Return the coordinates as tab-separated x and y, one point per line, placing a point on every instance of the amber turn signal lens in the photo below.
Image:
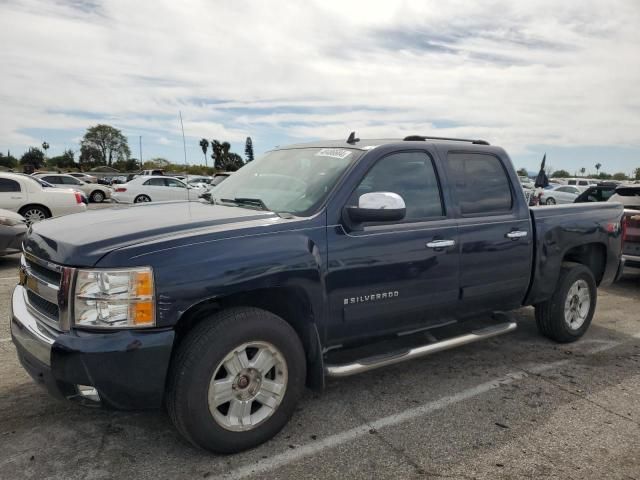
142	313
144	284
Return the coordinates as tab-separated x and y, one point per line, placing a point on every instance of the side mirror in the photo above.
378	207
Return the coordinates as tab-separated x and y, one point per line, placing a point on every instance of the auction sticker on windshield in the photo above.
340	153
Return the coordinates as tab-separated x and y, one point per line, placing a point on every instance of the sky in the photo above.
533	77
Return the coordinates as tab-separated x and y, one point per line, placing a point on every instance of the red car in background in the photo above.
631	238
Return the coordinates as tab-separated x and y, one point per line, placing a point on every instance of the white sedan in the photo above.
96	193
34	201
156	188
561	194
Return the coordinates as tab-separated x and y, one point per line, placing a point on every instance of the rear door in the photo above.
494	229
176	189
394	276
11	195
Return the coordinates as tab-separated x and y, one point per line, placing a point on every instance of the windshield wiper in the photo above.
246	202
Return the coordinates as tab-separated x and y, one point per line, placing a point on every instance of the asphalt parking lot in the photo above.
516	406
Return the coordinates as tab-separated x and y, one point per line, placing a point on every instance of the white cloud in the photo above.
518	73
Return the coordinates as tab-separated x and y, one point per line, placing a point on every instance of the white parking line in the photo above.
9	278
4	340
290	456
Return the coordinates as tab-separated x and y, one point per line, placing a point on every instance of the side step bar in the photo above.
378	361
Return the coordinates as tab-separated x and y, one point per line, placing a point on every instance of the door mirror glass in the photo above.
378	207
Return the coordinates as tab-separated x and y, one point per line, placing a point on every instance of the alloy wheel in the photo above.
247	386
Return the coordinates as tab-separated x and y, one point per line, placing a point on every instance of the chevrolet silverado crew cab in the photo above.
314	261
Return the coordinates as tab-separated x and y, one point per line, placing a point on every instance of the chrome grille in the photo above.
47	288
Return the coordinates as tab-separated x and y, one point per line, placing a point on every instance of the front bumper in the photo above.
128	368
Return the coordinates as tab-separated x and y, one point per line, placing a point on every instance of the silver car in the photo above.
561	194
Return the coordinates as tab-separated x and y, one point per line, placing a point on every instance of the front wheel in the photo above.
550	201
566	316
235	380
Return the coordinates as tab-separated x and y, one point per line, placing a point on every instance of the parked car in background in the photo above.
34	200
13	226
85	177
95	192
155	171
526	182
46	185
154	189
627	195
199	181
631	237
220	177
581	183
598	193
559	195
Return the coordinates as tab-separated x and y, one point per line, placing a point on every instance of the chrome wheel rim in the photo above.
142	199
577	305
551	201
98	197
247	386
34	215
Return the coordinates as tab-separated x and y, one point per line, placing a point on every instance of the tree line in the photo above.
104	145
620	176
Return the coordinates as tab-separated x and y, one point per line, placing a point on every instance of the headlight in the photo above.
10	222
114	298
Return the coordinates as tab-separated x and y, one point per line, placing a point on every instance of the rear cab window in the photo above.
481	183
8	185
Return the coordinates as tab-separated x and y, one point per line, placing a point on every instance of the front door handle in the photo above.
441	243
515	234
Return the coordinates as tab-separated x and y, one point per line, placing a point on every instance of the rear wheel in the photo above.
33	214
235	380
97	196
567	315
551	201
142	199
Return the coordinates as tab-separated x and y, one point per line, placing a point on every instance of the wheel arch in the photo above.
591	255
292	304
39	205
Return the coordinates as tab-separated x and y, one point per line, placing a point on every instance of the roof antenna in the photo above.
352	139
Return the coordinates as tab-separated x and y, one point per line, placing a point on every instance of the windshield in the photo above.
295	181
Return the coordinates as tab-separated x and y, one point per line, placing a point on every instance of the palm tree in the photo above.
582	170
45	147
598	165
204	144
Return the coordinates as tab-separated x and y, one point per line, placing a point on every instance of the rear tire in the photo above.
142	199
566	316
216	403
34	213
550	201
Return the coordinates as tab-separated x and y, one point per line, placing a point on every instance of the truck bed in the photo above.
561	230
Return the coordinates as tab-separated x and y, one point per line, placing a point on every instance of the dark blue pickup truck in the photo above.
314	261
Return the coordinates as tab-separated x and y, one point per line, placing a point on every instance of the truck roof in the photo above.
370	143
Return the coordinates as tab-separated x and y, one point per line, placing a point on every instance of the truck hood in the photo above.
82	239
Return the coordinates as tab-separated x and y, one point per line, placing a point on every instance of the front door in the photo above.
394	276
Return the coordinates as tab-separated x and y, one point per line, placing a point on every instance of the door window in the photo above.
155	182
69	181
8	185
481	183
412	176
172	182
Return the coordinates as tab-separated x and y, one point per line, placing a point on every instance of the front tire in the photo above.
566	316
550	201
235	380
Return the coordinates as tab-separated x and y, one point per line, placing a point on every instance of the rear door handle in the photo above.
441	243
514	235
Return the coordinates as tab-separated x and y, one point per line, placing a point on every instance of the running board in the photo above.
371	363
